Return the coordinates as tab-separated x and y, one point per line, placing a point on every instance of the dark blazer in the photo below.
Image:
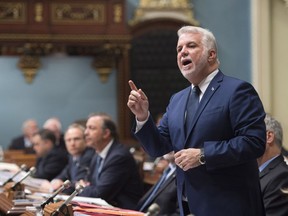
119	181
229	125
165	197
272	179
81	166
18	143
49	166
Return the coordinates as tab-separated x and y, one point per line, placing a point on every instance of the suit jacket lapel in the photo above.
211	89
279	159
166	183
108	156
163	187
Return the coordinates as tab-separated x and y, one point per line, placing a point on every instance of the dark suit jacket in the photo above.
49	166
272	179
119	181
165	197
82	169
229	125
18	143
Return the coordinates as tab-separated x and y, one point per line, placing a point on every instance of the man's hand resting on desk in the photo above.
83	183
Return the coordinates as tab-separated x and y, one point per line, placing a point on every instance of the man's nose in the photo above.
184	52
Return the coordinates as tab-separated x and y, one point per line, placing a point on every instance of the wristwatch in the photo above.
202	157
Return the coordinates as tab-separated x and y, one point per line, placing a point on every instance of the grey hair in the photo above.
77	126
274	126
55	121
208	39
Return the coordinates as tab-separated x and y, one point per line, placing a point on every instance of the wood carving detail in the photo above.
12	12
78	13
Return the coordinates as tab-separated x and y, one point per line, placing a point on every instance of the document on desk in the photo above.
80	199
9	167
90	209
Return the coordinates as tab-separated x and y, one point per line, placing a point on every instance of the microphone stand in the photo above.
64	208
30	172
22	168
65	185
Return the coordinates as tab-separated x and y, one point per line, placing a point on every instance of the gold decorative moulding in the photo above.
103	66
29	66
148	10
13	12
76	13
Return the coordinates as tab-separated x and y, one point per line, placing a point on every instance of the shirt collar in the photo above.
104	152
264	165
203	85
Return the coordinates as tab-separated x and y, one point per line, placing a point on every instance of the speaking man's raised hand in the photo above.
138	102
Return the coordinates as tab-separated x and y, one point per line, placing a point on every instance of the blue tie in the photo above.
97	167
156	188
73	170
191	107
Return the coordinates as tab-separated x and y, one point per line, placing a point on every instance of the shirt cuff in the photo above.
139	124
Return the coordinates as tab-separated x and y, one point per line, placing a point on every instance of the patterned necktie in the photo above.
191	107
155	188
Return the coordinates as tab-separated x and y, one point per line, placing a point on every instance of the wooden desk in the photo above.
19	157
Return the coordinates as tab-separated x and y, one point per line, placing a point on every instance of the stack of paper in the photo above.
92	209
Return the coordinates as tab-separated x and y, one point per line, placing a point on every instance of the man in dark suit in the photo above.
164	192
50	160
24	142
80	157
216	145
114	173
273	170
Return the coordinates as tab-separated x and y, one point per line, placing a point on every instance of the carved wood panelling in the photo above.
13	12
77	13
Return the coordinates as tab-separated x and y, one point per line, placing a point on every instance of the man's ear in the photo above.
107	133
270	136
211	55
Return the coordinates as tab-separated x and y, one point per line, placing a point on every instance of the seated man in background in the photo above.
164	192
24	142
53	124
273	170
50	160
79	159
114	173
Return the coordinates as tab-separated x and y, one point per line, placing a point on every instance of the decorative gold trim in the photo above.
118	13
39	12
75	13
103	65
13	12
29	66
164	9
104	73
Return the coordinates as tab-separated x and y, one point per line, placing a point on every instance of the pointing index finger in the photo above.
132	85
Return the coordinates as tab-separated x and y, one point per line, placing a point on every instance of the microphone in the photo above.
65	185
23	167
78	189
153	210
30	172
